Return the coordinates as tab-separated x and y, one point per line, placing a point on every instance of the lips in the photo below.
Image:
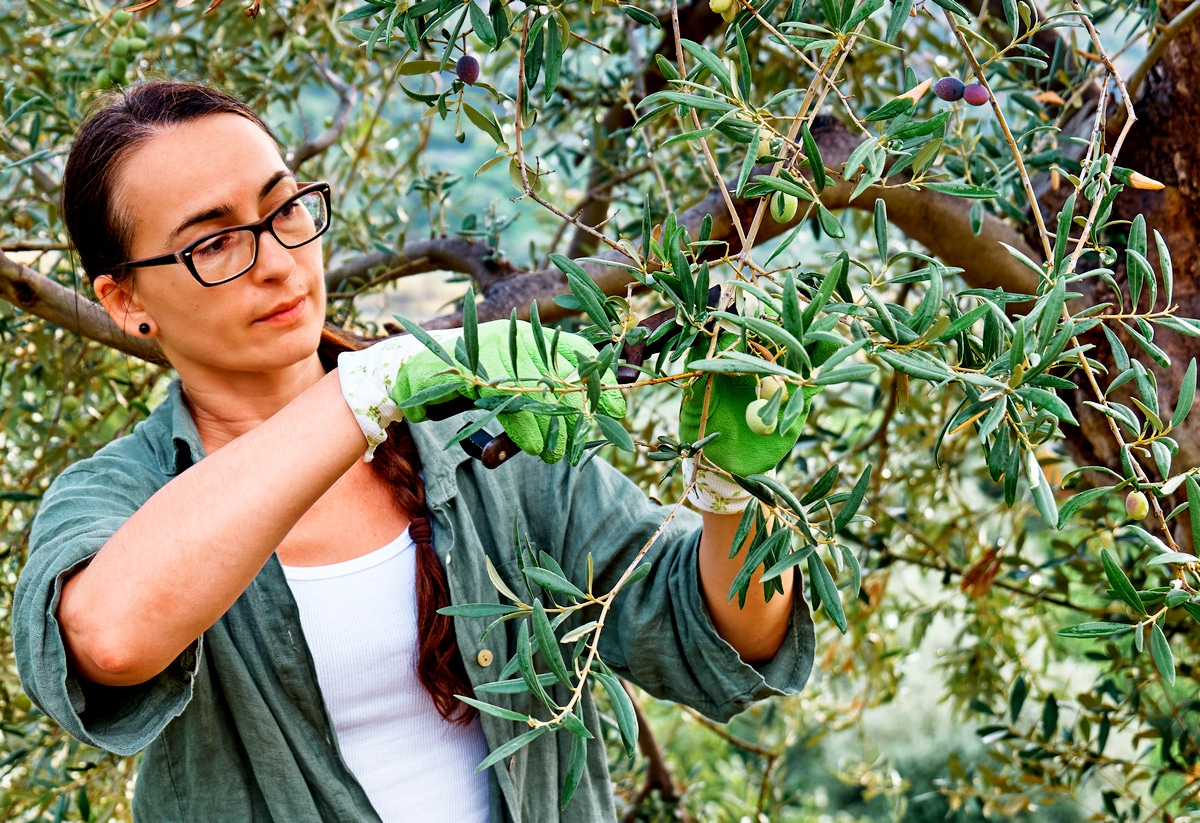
283	312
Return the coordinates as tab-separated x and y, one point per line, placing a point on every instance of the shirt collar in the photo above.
174	437
440	464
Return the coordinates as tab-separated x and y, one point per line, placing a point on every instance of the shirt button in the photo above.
484	658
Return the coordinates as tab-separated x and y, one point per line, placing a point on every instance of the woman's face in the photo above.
185	183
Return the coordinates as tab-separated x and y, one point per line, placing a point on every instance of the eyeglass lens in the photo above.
231	253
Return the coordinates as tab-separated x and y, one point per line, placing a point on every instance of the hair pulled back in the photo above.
102	236
101	150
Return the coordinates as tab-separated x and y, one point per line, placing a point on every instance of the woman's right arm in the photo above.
182	559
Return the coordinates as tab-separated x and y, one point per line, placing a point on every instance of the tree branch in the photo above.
456	254
40	296
46	184
937	221
658	773
348	97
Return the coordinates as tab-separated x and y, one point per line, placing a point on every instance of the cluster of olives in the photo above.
728	9
122	50
766	389
951	89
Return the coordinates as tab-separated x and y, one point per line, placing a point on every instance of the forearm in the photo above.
186	555
756	631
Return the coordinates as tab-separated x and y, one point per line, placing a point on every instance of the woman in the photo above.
212	588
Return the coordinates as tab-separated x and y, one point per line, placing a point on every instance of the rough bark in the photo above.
1162	145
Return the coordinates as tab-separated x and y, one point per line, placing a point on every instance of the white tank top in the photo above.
360	622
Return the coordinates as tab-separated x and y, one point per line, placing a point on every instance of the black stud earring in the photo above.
144	328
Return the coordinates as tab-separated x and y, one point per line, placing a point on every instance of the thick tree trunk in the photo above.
1162	145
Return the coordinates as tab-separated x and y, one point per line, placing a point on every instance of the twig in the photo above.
34	244
658	771
1100	395
348	97
369	132
1008	136
46	184
712	164
945	566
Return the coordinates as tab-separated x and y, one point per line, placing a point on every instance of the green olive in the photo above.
754	421
784	206
769	386
104	79
1137	505
764	142
720	6
141	29
121	17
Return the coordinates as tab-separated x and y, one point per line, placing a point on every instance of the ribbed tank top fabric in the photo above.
359	619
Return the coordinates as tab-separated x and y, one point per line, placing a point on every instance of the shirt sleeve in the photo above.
82	509
659	634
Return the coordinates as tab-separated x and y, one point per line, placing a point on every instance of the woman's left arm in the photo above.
758	630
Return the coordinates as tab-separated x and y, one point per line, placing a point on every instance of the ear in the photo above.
122	305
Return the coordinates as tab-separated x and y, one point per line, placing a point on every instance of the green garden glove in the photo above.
737	450
425	370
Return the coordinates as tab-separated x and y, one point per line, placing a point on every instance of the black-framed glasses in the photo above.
228	254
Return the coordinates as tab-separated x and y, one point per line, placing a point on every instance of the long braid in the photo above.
440	668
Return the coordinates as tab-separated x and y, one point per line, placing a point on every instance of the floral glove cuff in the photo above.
367	377
712	491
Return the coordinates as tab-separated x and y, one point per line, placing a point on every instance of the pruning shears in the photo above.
493	450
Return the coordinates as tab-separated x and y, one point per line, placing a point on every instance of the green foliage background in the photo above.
952	638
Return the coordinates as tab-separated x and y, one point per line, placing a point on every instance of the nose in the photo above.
274	261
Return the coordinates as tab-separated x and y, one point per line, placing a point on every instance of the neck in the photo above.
232	405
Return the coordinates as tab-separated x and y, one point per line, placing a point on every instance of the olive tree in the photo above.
970	224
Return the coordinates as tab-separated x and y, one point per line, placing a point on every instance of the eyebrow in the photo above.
217	212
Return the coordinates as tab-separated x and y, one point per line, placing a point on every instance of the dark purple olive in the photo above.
467	69
949	88
976	94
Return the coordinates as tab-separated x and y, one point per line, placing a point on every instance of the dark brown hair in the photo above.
101	237
103	145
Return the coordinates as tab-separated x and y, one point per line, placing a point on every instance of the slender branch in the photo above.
42	179
703	142
456	254
697	24
1089	374
724	734
34	244
942	564
369	131
981	77
348	97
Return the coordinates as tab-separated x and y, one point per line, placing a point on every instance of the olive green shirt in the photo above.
235	729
